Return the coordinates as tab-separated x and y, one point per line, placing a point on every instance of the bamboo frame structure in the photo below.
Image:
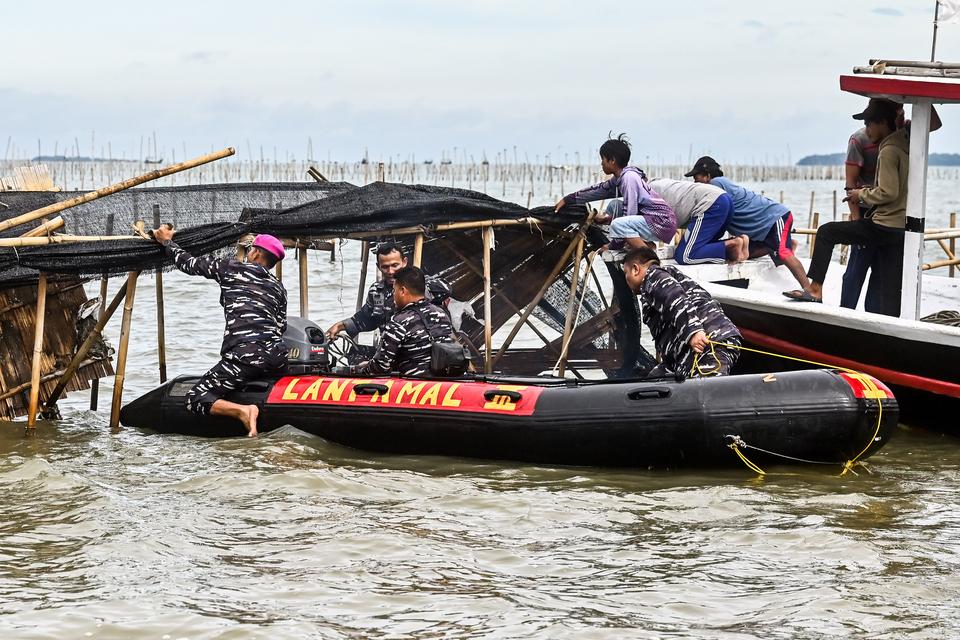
124	346
43	229
561	263
114	188
84	348
37	351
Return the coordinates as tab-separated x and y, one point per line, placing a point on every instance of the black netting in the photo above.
334	210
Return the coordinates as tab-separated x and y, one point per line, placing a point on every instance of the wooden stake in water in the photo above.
161	330
123	349
95	385
364	263
37	351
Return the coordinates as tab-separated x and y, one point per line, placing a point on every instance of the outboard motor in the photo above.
308	347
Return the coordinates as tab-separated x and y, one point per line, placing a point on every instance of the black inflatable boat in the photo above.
821	415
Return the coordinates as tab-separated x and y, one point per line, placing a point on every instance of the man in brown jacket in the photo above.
882	226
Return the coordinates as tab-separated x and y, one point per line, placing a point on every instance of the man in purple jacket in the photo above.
646	217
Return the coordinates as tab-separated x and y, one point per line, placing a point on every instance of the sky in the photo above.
742	80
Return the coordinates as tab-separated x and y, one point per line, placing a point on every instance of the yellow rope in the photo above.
866	380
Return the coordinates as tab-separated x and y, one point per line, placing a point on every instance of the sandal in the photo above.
802	295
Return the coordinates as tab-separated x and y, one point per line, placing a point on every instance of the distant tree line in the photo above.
833	159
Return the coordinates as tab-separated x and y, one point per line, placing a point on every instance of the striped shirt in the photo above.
675	307
254	304
406	341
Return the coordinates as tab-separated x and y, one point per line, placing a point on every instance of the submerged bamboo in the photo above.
37	351
85	348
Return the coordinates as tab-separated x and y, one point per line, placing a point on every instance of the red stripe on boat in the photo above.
890	377
399	393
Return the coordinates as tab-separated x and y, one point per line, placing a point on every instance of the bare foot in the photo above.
744	247
249	420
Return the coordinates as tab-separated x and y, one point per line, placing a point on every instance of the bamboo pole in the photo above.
114	188
571	303
85	348
37	351
161	326
9	393
364	262
304	292
47	227
953	245
936	264
59	239
418	250
95	385
816	225
497	290
122	350
561	263
487	312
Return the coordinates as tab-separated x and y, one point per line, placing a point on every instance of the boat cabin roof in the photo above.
905	82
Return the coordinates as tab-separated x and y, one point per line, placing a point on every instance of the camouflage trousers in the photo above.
229	375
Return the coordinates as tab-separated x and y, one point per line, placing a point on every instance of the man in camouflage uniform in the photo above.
407	340
255	308
683	318
379	306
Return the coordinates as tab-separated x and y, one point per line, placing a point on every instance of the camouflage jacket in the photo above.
254	305
380	307
406	341
675	307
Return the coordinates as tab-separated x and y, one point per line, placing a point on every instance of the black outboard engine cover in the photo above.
308	347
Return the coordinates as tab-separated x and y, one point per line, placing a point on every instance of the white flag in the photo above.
949	12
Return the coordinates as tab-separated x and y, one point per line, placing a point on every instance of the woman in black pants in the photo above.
883	225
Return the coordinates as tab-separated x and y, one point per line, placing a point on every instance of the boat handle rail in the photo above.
490	394
649	392
370	389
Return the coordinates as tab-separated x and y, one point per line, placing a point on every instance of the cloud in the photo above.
201	56
887	11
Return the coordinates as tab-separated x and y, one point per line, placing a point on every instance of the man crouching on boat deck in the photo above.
685	321
255	308
379	306
407	340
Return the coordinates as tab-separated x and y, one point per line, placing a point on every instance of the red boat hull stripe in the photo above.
890	377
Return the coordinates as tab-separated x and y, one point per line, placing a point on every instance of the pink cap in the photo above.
269	243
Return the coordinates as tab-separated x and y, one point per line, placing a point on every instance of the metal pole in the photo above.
123	349
84	349
487	312
95	385
37	351
304	293
913	240
936	17
161	330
